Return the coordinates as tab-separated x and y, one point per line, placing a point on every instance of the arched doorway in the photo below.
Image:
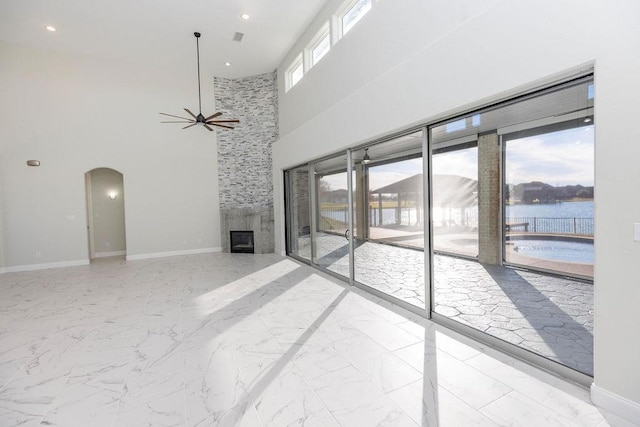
105	213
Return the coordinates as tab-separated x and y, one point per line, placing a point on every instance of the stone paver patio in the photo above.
547	315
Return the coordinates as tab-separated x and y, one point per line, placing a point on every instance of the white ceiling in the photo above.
160	32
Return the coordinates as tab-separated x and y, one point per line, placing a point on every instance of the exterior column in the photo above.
489	199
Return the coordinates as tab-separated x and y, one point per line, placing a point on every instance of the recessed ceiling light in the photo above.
228	64
245	16
51	28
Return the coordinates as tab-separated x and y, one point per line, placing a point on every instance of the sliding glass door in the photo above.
483	221
368	227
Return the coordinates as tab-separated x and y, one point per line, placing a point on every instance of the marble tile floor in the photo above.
547	315
249	340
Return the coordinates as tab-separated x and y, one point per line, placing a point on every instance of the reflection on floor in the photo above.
249	340
547	315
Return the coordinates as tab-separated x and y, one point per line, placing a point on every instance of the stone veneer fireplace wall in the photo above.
244	157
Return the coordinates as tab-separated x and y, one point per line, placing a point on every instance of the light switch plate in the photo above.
636	231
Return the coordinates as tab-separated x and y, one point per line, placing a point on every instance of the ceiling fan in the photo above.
207	122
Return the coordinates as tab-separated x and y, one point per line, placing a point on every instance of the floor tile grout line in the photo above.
421	381
244	380
131	359
185	282
331	307
545	382
315	393
483	411
364	376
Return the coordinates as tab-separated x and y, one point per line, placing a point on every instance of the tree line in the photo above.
540	192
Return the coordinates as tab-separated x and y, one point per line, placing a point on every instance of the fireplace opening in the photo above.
241	242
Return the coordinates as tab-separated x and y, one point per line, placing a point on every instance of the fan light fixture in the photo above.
207	122
366	159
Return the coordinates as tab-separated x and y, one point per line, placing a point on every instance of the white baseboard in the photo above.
32	267
172	253
616	404
108	254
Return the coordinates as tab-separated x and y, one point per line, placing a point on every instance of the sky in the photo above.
559	158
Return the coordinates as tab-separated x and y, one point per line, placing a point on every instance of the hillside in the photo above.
540	192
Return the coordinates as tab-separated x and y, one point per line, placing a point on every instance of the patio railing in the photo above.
410	217
582	226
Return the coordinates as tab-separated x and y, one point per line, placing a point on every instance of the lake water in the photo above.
514	213
555	210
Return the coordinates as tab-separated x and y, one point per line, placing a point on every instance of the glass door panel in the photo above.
388	210
548	219
331	244
298	212
533	185
455	199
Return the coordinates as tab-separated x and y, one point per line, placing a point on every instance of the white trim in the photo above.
342	12
32	267
172	253
298	62
616	404
546	121
108	254
89	201
427	229
324	32
455	141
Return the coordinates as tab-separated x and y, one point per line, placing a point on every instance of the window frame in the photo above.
318	39
344	11
297	63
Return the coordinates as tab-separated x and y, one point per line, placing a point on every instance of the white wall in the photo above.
2	226
76	113
415	61
108	214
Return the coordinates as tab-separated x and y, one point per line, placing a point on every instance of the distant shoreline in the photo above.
572	200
